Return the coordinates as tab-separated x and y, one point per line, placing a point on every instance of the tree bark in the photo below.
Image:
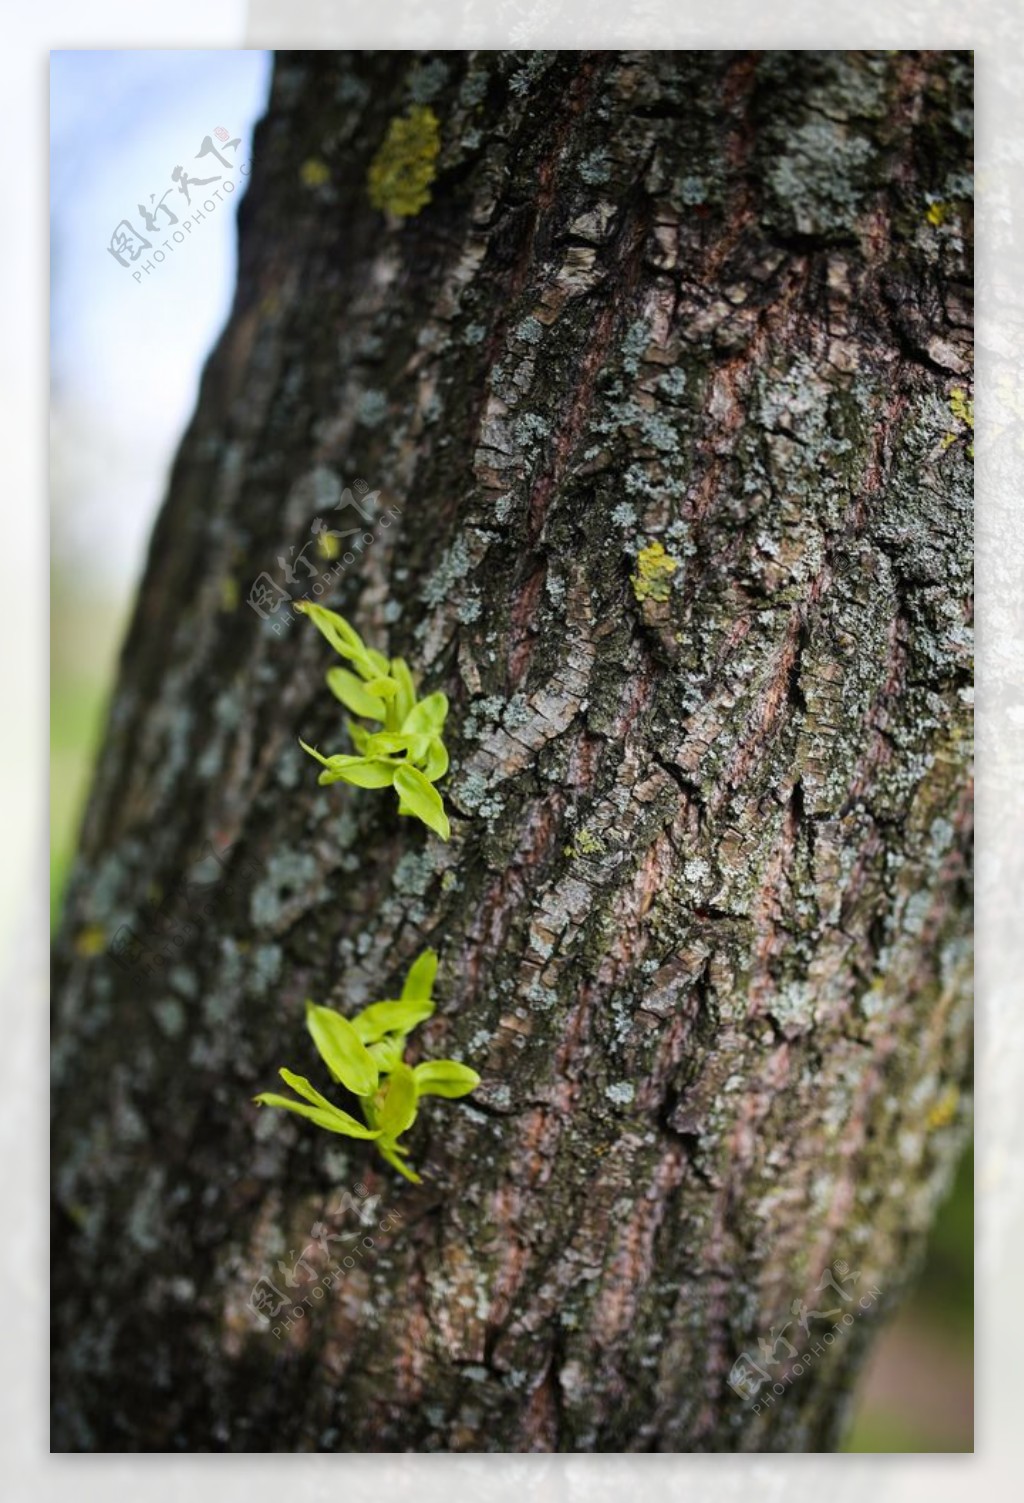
666	387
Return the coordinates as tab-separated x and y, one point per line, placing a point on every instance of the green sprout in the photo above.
364	1054
407	753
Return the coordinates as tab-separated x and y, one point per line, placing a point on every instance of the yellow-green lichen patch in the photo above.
327	545
401	173
585	843
90	941
654	571
314	173
962	408
944	1110
230	594
938	213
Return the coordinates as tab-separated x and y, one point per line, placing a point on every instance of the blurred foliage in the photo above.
916	1391
946	1291
84	636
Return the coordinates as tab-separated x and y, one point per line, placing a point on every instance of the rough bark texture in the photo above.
703	921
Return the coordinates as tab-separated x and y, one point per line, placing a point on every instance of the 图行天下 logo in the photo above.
326	1260
311	569
776	1350
128	244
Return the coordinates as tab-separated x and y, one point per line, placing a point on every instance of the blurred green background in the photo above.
917	1391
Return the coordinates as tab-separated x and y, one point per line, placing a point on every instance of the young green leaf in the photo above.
390	1151
384	688
420	797
444	1077
345	640
435	764
386	1052
437	709
406	696
418	746
397	1110
364	772
354	694
361	738
386	743
390	1017
325	761
427	715
331	1117
378	662
342	637
419	983
301	1086
341	1049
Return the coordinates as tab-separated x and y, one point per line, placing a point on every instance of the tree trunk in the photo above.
664	393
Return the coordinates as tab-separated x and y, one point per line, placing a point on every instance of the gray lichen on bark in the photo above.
661	381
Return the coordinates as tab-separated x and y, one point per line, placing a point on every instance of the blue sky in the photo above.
126	355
